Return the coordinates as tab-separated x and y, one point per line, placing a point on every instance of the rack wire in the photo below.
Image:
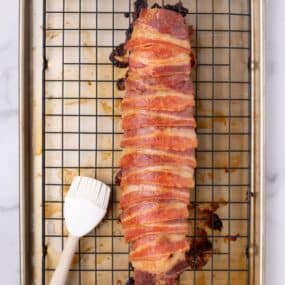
82	131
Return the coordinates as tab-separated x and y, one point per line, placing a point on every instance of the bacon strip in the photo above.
161	138
147	193
171	102
136	232
153	212
159	141
146	84
169	176
163	70
148	157
139	119
144	196
161	51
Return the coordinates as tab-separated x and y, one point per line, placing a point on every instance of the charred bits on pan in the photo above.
200	250
121	84
118	58
214	221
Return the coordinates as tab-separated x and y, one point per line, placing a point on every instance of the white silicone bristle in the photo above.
90	189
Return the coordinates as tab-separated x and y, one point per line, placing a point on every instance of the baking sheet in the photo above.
76	128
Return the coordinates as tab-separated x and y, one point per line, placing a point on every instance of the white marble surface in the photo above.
275	128
9	204
275	142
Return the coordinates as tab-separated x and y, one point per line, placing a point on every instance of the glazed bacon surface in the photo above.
158	144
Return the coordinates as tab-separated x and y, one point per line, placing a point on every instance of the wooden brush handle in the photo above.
60	275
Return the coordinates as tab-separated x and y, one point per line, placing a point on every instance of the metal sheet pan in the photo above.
39	35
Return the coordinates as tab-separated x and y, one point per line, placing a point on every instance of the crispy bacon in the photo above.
140	39
161	50
153	212
164	101
159	141
161	138
169	176
144	196
148	157
139	119
146	84
136	232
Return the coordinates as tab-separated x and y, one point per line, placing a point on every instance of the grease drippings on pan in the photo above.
213	221
200	250
118	55
209	216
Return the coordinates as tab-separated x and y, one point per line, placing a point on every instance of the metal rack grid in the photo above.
81	115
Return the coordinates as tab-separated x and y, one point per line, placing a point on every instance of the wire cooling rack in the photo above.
82	131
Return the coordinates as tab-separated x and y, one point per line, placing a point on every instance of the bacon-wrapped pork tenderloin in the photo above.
158	144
